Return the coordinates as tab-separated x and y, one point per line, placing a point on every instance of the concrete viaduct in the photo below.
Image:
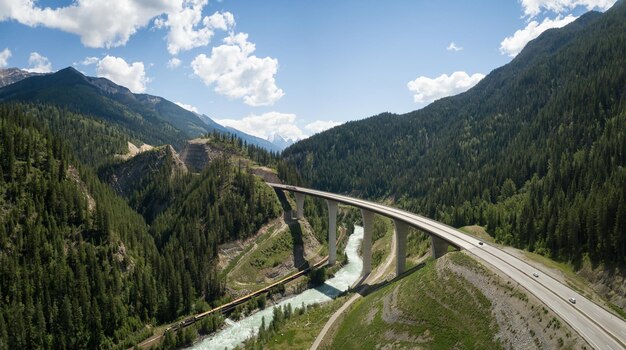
439	245
600	327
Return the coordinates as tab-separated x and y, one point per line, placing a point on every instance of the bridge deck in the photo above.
601	328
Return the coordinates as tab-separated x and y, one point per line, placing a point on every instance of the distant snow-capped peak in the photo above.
280	141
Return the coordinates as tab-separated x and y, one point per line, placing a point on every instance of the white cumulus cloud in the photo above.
453	47
237	73
187	28
267	124
173	63
188	107
106	23
427	89
38	63
99	23
132	76
512	45
220	20
88	61
321	125
534	7
4	57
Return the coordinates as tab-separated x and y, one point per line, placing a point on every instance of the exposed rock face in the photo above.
72	173
524	322
198	153
129	176
108	86
609	282
268	175
13	75
134	150
179	165
124	261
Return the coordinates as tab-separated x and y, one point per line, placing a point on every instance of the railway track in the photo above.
228	306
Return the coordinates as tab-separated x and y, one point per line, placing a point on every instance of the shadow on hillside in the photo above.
298	246
295	229
287	209
365	289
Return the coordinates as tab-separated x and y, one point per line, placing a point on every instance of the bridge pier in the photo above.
438	247
332	231
401	229
368	225
299	205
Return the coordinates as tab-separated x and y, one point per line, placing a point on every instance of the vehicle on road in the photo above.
480	243
535	274
572	300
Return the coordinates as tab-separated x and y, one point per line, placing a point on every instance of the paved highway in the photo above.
600	328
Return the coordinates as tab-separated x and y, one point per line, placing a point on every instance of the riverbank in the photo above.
235	333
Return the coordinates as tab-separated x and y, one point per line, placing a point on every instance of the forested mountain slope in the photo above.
152	119
91	140
75	263
141	177
80	268
536	151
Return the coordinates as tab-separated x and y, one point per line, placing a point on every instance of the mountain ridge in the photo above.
9	76
280	141
70	89
156	119
108	269
518	153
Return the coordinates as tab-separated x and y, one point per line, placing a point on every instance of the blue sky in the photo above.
291	67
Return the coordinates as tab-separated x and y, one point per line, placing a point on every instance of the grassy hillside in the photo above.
271	254
428	308
299	331
453	302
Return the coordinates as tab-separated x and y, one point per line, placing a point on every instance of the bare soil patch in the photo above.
524	322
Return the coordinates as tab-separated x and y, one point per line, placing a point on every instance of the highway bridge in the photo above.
601	328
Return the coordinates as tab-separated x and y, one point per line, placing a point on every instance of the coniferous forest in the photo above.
80	268
536	152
